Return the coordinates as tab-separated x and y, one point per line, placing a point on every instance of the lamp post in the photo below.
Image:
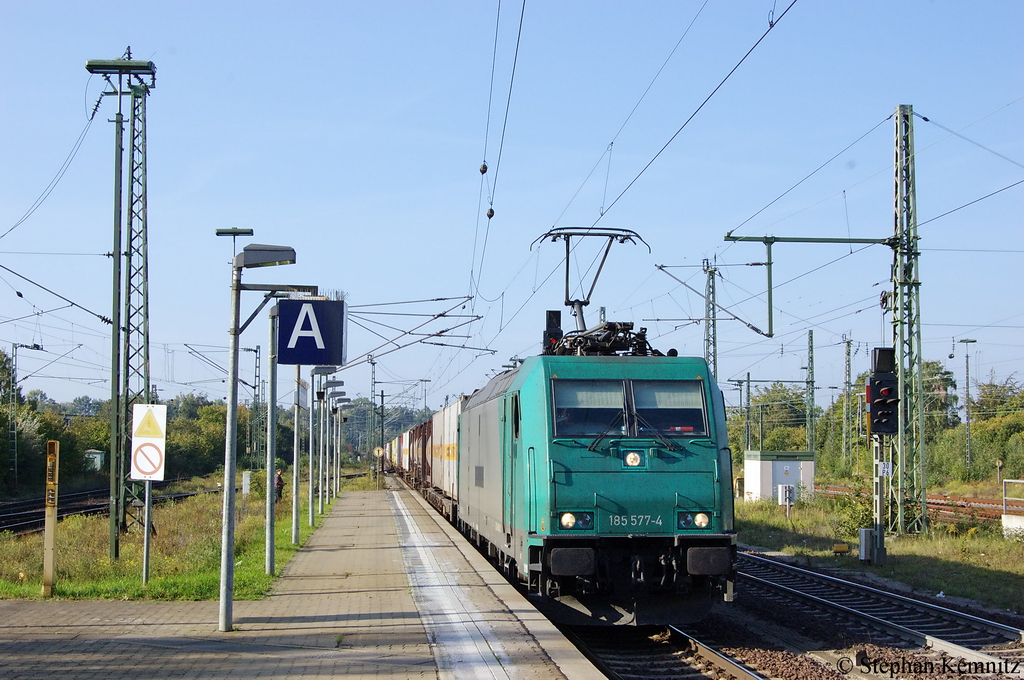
253	255
343	404
967	399
321	444
234	233
271	442
424	381
296	457
335	442
332	444
314	426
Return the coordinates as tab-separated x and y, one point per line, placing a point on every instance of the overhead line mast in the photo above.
905	503
908	494
710	319
130	383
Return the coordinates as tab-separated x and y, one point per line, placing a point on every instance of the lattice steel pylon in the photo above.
809	406
905	500
136	386
129	352
907	491
710	319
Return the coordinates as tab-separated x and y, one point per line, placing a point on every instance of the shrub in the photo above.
852	513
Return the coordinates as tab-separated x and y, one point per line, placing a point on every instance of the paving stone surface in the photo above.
344	606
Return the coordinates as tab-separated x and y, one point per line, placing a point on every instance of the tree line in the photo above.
777	417
195	435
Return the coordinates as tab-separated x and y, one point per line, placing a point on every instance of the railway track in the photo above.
883	617
26	517
947	507
635	653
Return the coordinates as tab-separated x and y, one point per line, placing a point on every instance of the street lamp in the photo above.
332	469
252	256
342	403
330	445
425	381
315	419
234	233
967	400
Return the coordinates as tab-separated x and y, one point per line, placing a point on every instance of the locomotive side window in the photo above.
516	416
588	408
674	409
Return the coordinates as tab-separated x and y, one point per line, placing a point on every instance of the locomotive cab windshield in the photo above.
637	409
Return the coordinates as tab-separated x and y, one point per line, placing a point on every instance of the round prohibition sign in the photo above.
147	462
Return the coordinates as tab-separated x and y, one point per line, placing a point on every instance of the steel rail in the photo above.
1013	634
903	632
722	662
97	508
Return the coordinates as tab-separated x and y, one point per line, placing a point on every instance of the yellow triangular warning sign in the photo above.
149	427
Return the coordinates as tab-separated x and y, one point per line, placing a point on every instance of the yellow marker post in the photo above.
50	522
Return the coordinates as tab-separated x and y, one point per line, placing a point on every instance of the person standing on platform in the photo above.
279	484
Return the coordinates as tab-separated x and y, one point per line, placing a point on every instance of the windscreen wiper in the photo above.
666	442
605	431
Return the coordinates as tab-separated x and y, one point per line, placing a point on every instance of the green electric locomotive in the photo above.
601	481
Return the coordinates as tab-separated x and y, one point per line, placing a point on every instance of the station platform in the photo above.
384	588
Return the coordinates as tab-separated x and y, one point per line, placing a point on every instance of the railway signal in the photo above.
883	400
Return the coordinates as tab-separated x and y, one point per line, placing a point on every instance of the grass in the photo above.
972	561
184	553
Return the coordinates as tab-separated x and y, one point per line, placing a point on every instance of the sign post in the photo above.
149	441
50	519
310	333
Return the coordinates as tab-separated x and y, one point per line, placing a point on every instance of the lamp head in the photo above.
259	255
234	231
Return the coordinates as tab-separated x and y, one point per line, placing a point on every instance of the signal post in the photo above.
882	393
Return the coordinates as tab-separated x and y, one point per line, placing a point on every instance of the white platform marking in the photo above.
463	643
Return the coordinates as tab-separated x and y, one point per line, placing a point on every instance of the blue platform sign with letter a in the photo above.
311	332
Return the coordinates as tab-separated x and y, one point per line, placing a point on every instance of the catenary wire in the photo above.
696	111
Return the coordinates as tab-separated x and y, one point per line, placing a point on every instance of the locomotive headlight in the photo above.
581	520
691	520
633	459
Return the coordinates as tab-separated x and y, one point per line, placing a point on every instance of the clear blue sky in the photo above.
354	132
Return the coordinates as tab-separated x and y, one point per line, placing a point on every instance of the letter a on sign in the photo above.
306	314
311	332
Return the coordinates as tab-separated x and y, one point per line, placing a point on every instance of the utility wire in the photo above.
56	178
73	304
977	200
812	173
508	105
611	144
771	26
22	252
48	363
968	140
493	186
484	182
36	313
490	89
